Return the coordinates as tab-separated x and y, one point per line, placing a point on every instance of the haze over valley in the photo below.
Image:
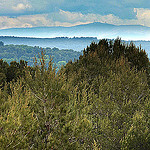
75	43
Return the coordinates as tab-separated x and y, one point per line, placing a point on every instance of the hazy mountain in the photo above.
96	29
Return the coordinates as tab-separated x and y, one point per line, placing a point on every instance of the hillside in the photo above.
74	43
100	101
23	52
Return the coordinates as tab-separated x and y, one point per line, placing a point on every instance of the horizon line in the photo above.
73	37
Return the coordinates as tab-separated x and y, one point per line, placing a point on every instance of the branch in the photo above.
11	141
43	100
21	140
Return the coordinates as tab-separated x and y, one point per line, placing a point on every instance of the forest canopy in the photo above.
99	101
16	53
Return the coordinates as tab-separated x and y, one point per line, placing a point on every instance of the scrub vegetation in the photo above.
100	101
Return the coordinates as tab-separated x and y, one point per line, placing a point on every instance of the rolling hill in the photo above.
96	29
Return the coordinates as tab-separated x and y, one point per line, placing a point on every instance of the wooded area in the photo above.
100	101
16	53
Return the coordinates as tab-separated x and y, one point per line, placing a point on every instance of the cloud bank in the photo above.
34	13
66	18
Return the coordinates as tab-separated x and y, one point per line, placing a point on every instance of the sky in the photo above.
37	13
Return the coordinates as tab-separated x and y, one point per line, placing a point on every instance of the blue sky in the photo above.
35	13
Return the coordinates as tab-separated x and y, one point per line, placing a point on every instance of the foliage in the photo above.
12	52
100	101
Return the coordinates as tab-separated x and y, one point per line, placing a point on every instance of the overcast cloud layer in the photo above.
34	13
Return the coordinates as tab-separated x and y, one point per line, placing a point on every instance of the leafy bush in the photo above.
97	102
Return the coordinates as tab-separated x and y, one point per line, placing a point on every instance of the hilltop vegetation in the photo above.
100	101
16	53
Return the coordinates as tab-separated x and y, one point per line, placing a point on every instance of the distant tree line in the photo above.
23	52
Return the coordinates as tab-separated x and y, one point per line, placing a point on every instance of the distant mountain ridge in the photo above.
96	29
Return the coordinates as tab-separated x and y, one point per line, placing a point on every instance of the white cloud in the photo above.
143	16
74	18
21	6
14	6
71	16
25	21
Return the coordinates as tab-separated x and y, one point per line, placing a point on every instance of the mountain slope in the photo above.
96	29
